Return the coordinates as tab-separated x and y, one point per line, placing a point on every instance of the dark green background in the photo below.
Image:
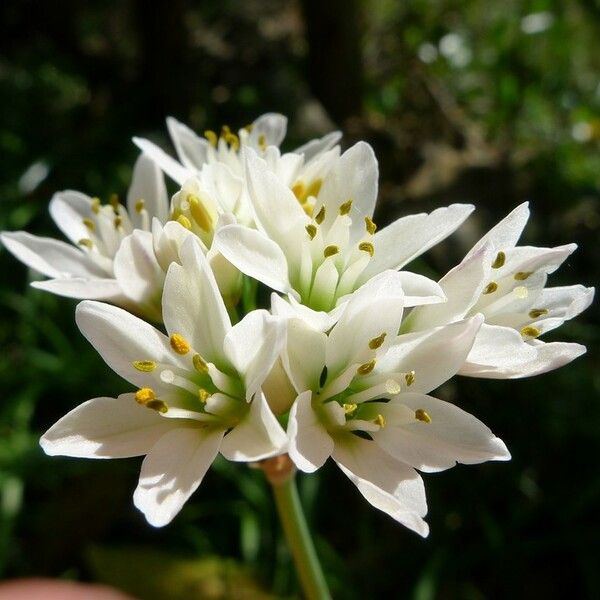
502	115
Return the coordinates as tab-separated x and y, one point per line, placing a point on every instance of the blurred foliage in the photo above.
492	102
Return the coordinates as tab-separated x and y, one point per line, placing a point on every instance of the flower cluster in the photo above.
342	361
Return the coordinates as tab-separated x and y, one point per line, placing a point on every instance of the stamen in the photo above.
370	226
367	247
349	408
330	251
179	344
114	201
320	216
203	395
144	395
211	136
225	130
366	368
183	220
490	288
140	205
530	331
392	387
346	207
95	205
377	341
422	415
146	366
314	188
249	127
534	313
521	292
89	224
158	406
118	222
199	213
499	261
299	189
262	142
311	230
410	378
86	242
379	420
232	140
199	364
523	275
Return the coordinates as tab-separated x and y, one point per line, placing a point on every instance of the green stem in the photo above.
299	540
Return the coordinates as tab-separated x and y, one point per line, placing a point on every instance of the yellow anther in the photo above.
199	364
314	188
86	242
95	205
179	344
377	341
523	275
308	209
262	142
490	288
320	216
349	408
499	261
366	368
140	205
211	136
367	247
249	127
409	378
299	190
232	140
392	387
535	313
158	406
146	366
521	292
422	415
370	226
225	130
379	420
199	213
89	224
346	207
118	222
144	395
114	201
203	395
311	230
184	221
530	331
330	251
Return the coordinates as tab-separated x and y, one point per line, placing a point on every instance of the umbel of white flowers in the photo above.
347	353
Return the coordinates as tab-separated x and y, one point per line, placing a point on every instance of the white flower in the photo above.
98	266
506	284
199	389
363	400
325	256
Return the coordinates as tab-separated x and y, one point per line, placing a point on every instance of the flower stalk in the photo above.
281	474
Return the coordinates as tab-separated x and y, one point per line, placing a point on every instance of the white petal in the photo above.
147	184
563	303
169	165
408	237
106	428
506	233
122	338
272	126
531	258
316	147
190	148
137	270
254	254
389	485
354	176
291	309
304	357
420	290
84	288
257	437
68	209
192	303
173	470
434	355
462	287
48	256
309	443
452	436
